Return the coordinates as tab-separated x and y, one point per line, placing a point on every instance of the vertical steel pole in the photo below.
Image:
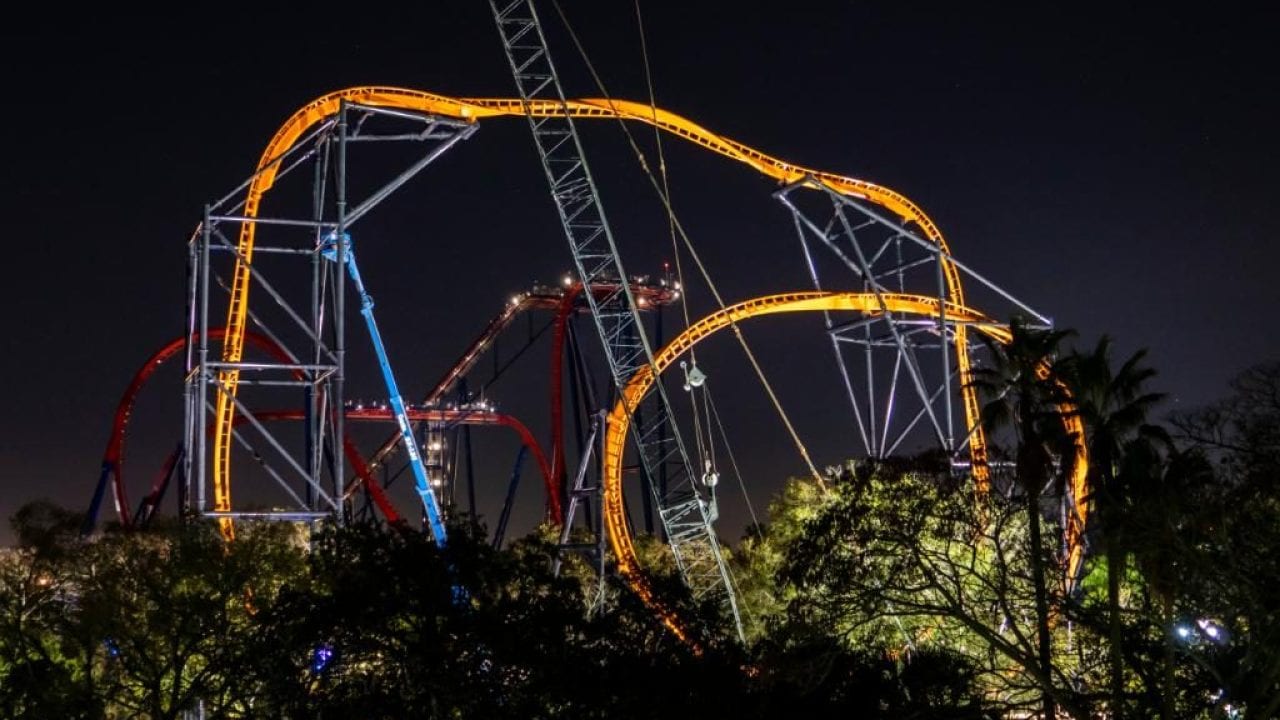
662	438
202	383
571	349
946	357
336	401
189	380
471	476
310	400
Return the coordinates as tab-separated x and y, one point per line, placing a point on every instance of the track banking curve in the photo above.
642	382
473	109
113	457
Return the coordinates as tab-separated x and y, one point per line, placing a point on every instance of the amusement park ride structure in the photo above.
885	283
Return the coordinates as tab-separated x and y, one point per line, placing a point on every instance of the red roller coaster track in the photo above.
113	457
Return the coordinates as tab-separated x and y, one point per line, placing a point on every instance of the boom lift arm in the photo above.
330	250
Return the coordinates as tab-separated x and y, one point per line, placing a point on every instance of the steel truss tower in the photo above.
685	513
307	318
902	376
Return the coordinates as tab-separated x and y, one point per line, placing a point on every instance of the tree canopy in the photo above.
891	589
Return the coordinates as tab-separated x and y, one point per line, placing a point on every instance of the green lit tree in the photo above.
911	562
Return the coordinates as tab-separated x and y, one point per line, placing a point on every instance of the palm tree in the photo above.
1022	390
1113	406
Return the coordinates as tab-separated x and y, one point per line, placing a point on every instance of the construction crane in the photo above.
686	515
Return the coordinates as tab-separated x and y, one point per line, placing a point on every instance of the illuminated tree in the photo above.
911	562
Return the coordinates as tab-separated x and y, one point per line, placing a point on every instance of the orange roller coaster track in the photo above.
868	303
473	109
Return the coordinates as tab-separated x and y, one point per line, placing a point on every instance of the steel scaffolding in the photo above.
307	318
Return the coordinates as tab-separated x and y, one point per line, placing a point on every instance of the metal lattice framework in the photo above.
685	513
307	326
871	305
901	374
863	227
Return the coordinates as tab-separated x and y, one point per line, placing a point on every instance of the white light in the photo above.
1183	631
1212	631
677	285
515	299
642	301
568	280
435	446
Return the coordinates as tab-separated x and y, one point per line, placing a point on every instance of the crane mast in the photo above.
686	515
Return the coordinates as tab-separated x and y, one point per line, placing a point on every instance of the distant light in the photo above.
1212	631
1183	631
515	299
568	280
321	657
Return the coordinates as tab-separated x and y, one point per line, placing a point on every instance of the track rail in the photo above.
450	417
473	109
868	303
113	456
113	466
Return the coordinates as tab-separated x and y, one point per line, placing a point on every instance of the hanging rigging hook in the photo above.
692	377
710	477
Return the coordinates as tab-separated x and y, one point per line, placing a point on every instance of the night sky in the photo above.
1112	167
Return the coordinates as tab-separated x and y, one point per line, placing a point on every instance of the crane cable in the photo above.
666	186
706	276
706	452
712	414
733	462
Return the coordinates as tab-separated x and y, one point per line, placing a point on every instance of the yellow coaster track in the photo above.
868	303
472	109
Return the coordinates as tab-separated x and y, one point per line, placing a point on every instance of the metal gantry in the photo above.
296	263
901	375
681	506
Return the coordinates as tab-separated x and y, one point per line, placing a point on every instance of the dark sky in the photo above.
1111	166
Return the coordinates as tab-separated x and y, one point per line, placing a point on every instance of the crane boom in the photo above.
686	515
